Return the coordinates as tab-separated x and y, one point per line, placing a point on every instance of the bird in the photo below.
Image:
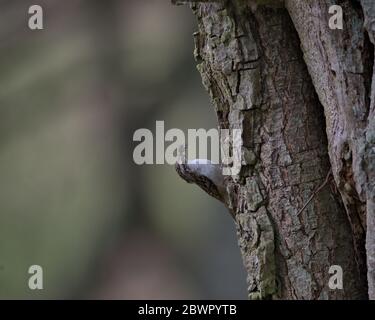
207	175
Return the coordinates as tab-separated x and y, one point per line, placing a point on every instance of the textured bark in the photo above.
252	65
340	63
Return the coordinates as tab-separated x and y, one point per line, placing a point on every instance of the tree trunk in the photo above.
301	94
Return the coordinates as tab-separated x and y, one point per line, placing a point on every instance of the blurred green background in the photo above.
71	198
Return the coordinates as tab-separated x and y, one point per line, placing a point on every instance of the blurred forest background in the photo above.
71	198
